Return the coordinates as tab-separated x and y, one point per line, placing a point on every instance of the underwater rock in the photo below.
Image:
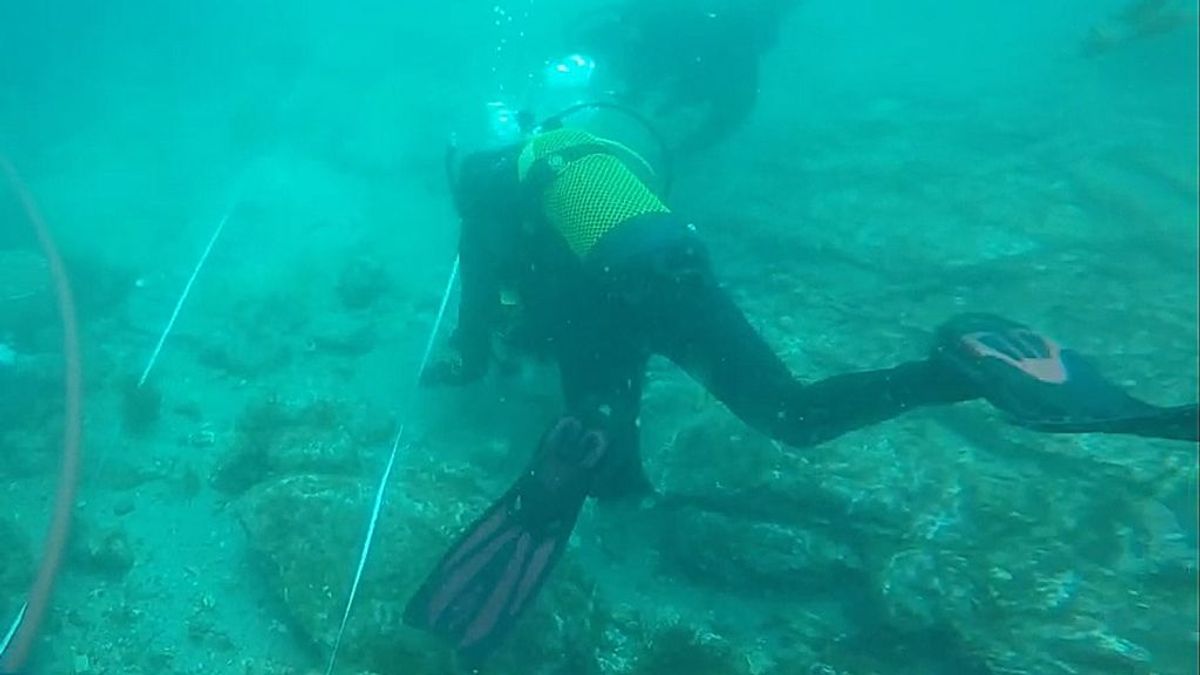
268	667
1029	602
106	552
362	281
100	285
678	649
27	304
241	358
1004	556
757	557
126	473
26	452
257	333
25	299
275	438
730	478
30	392
306	532
141	406
925	588
716	451
343	339
124	507
1159	546
716	463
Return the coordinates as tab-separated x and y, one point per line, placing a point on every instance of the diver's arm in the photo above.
469	352
481	196
479	302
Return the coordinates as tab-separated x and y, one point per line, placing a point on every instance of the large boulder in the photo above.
307	532
28	305
756	557
275	438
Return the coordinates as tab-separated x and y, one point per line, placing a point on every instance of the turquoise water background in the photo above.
906	161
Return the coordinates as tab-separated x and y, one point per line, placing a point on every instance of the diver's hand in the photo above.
450	369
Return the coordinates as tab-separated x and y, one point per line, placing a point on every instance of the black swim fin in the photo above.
1045	386
492	573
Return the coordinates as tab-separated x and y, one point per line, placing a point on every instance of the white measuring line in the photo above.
380	493
187	289
12	632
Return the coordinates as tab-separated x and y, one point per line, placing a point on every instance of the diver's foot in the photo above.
624	481
492	573
1046	386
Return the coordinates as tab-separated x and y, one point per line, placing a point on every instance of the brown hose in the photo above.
56	540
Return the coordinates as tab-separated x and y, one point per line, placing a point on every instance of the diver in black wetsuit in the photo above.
601	275
694	63
565	231
1139	20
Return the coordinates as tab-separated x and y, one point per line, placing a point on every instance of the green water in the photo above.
904	162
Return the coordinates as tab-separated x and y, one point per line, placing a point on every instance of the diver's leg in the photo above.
674	296
1038	383
606	385
714	342
661	275
602	367
1046	386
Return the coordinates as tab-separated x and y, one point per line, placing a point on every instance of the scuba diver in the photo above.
568	249
692	62
1138	20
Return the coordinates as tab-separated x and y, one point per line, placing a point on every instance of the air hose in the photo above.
19	640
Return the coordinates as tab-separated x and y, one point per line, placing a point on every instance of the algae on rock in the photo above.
275	438
306	530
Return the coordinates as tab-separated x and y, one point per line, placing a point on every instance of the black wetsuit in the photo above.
606	276
647	287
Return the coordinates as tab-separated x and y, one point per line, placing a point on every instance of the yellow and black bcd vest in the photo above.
583	186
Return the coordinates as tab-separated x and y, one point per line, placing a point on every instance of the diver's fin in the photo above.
492	573
1180	423
1043	385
